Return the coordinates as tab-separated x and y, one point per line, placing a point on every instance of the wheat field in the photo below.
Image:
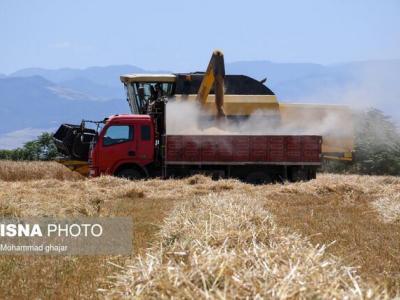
334	237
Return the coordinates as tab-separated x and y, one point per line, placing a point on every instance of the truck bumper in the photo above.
94	172
82	167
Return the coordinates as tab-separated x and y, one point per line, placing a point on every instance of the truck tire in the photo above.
298	174
312	173
258	178
129	173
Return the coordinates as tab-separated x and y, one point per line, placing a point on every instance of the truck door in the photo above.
118	145
145	143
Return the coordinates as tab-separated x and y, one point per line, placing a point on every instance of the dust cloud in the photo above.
187	117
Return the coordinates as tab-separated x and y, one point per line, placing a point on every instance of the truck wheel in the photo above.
258	178
131	174
312	173
298	174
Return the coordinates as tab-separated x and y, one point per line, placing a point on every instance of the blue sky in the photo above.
180	35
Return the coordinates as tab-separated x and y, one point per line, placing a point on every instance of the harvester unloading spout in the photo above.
214	75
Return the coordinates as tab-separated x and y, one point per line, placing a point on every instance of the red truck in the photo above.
128	146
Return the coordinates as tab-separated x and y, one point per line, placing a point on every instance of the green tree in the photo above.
5	154
377	144
48	150
43	148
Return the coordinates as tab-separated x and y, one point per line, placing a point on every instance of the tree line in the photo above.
42	148
376	146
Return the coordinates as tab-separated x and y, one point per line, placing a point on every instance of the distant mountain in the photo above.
108	76
34	102
2	75
274	72
100	91
358	84
35	98
102	83
355	83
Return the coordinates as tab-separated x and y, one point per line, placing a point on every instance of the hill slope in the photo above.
358	84
108	75
34	102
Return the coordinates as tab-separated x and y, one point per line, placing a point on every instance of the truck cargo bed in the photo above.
243	149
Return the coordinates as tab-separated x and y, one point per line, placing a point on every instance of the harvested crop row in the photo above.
52	197
34	170
228	246
389	208
383	191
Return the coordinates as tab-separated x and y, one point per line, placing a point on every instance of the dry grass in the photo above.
274	236
73	277
344	209
79	277
228	246
25	170
389	208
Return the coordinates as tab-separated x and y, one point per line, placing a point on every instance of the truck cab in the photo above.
124	147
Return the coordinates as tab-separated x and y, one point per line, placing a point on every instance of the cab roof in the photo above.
127	117
126	78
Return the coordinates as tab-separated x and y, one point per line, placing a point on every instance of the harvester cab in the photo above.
144	89
149	93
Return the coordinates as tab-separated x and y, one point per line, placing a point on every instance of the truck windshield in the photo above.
141	93
117	134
